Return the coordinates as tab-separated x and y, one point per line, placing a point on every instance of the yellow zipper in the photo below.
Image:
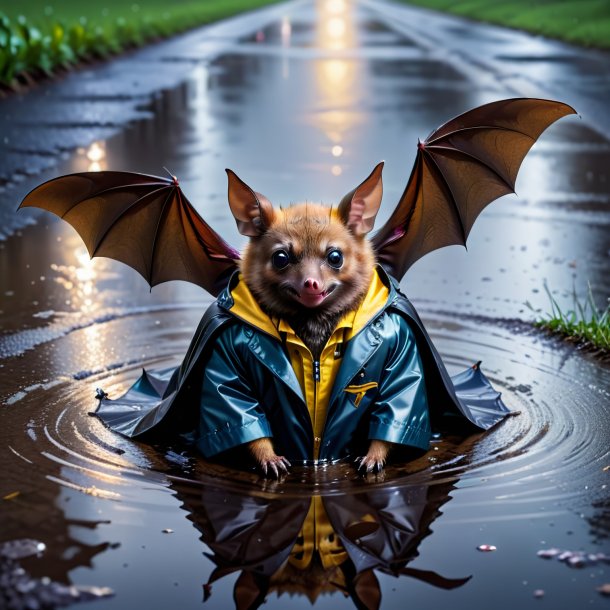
316	379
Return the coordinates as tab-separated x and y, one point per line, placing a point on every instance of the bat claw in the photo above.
362	464
275	467
369	465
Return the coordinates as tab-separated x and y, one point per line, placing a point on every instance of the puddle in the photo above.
536	481
159	526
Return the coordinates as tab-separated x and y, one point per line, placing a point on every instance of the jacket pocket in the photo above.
360	390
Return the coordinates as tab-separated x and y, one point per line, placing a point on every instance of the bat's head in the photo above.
307	258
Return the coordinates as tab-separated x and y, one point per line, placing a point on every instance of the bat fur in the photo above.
459	169
308	291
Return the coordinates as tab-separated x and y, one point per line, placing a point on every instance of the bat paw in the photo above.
275	466
369	464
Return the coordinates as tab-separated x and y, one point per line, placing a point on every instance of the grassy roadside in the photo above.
584	324
582	22
39	37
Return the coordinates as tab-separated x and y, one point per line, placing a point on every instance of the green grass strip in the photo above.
582	22
584	323
38	37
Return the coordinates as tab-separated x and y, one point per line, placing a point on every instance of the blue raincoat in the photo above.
236	384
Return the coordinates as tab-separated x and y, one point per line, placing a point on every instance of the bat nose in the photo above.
312	284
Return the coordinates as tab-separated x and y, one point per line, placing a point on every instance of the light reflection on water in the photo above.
544	466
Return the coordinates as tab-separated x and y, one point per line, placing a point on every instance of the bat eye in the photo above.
280	259
335	259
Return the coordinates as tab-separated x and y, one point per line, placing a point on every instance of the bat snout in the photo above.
312	285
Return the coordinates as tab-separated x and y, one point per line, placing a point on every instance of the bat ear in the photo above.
250	591
359	207
366	590
253	212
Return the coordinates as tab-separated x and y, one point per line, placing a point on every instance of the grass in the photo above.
584	323
39	37
583	22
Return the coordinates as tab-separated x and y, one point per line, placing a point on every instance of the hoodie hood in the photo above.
241	303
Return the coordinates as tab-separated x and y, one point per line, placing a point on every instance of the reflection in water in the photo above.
90	159
286	36
325	544
347	544
79	280
337	78
336	26
286	31
336	29
38	511
85	275
96	153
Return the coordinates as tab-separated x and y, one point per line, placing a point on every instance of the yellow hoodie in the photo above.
316	378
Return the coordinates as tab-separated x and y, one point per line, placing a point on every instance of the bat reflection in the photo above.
314	545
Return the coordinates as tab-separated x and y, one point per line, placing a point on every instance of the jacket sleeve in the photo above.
400	414
230	413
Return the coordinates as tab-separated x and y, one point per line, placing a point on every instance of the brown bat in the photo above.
310	265
307	265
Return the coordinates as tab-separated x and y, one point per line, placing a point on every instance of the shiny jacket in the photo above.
391	385
379	530
250	389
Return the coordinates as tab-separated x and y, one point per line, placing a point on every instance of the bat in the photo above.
308	265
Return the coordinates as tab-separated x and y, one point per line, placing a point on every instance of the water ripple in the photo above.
552	449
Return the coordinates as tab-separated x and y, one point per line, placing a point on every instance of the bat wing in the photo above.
460	168
143	221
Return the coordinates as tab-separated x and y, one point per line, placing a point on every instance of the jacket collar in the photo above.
238	299
365	341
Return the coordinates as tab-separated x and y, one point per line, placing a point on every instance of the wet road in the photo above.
302	105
